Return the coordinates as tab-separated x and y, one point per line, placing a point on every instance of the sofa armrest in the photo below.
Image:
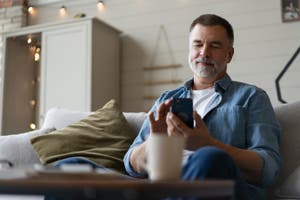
288	116
17	148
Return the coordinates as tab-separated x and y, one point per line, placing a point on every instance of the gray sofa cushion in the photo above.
290	188
135	119
289	118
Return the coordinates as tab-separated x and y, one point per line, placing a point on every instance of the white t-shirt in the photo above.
201	99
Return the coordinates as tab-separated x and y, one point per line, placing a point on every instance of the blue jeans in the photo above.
213	163
78	160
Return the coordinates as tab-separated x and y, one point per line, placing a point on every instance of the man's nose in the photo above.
204	51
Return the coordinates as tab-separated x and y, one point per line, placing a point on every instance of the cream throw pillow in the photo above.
103	137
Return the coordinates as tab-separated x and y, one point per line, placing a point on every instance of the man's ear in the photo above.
230	54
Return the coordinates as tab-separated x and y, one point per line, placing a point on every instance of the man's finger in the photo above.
163	109
198	119
151	117
168	102
175	121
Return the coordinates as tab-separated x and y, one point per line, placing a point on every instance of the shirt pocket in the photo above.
228	124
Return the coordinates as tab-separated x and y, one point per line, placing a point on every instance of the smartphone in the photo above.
183	108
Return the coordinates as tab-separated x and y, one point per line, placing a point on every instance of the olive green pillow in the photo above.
102	137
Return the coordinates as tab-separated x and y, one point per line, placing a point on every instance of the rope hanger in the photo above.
162	34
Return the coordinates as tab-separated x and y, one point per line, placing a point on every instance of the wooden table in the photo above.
98	186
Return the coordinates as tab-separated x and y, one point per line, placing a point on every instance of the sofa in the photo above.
18	149
288	184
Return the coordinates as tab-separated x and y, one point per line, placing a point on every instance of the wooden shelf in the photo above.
162	67
150	97
162	82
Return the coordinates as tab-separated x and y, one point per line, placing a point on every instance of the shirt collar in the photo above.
220	85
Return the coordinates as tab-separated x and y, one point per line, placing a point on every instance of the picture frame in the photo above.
290	10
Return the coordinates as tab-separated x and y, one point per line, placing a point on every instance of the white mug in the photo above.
164	156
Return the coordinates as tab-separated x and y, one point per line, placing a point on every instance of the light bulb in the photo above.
29	40
63	10
100	5
32	102
36	57
38	49
33	126
30	10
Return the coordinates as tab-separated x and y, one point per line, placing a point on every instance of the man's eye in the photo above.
218	46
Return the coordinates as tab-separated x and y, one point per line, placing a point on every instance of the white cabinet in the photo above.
78	69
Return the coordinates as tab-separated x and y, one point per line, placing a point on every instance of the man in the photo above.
236	134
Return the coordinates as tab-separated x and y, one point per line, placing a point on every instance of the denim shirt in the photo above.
241	115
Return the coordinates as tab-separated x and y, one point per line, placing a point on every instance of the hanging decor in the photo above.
152	67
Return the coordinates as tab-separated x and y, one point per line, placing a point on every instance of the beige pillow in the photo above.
103	137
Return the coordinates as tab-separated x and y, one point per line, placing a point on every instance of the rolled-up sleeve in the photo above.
138	140
263	136
142	136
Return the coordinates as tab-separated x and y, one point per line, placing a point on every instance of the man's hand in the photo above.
197	137
158	124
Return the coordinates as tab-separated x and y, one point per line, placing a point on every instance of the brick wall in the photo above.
13	15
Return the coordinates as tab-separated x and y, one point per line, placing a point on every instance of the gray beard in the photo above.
204	71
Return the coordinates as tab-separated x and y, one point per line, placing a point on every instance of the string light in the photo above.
37	53
36	56
33	126
63	10
32	102
100	5
30	10
29	40
35	49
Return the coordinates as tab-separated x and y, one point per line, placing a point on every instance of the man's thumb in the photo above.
198	119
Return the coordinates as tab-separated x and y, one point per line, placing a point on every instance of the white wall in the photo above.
263	43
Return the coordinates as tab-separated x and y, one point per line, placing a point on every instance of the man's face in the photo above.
209	52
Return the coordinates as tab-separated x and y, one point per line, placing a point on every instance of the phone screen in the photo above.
183	108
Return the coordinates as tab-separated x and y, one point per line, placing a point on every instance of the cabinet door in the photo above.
65	70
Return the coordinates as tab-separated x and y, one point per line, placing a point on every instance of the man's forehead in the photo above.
200	32
208	29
